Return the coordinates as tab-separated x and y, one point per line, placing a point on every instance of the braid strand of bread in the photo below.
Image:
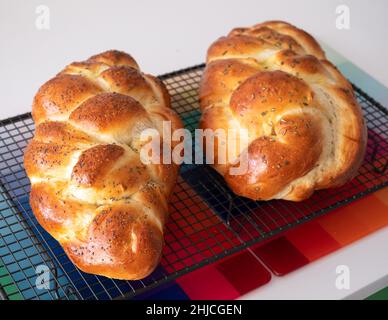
89	188
305	128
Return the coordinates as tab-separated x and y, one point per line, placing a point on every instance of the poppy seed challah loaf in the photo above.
89	188
305	128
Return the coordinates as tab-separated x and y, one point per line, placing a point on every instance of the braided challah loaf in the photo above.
89	188
305	128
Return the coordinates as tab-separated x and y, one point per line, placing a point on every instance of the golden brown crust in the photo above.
46	159
89	187
60	216
122	243
305	128
114	58
58	97
108	112
274	163
61	133
276	89
95	163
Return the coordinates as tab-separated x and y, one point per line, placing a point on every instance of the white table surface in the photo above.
167	35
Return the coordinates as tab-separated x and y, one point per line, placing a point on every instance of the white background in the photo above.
165	35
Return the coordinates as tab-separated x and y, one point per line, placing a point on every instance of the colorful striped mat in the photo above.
238	274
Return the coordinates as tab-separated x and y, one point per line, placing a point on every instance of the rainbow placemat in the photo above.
250	269
7	284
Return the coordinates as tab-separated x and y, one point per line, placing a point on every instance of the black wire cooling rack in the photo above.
207	221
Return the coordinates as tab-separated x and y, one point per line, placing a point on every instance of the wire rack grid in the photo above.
207	221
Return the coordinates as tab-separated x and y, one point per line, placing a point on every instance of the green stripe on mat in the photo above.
379	295
8	285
